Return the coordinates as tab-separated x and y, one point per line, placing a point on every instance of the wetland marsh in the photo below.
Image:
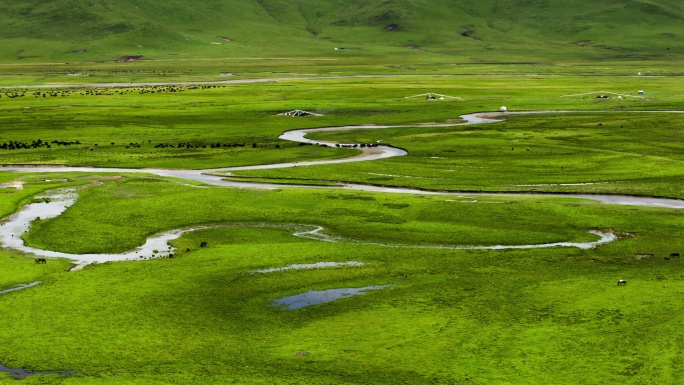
440	314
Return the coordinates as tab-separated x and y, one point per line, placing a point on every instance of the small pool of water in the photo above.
317	265
313	297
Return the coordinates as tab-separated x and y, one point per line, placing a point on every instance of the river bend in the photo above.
18	223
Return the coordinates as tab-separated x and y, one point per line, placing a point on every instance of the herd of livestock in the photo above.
91	91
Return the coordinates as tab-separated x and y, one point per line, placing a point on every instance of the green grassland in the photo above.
450	316
96	230
608	143
75	40
629	153
488	30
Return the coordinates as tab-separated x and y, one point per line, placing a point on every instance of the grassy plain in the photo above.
598	143
628	153
412	31
451	316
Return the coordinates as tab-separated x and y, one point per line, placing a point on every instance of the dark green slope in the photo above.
44	30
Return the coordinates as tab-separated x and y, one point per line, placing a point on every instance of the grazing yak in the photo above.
622	282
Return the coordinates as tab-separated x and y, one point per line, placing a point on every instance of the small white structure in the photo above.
432	96
503	109
640	92
604	94
295	113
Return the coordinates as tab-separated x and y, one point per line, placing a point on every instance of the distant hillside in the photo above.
472	30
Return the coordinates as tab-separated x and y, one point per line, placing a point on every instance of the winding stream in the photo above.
55	202
157	246
216	176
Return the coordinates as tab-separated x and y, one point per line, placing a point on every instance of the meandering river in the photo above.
53	203
216	176
19	223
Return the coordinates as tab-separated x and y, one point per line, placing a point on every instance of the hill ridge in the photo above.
38	30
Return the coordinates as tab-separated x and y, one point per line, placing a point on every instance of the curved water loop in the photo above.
57	201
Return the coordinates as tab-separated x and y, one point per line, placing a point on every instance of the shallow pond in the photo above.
318	265
314	297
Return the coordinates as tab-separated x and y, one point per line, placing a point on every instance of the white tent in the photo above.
432	96
601	94
294	113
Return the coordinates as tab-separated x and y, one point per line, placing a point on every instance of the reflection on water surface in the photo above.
314	297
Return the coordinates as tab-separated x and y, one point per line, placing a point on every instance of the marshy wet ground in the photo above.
20	374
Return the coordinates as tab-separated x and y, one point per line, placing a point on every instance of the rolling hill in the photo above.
469	30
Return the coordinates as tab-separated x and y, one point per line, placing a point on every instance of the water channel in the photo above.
157	246
20	287
53	203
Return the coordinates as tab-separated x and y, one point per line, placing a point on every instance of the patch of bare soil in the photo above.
111	178
130	58
416	48
16	184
